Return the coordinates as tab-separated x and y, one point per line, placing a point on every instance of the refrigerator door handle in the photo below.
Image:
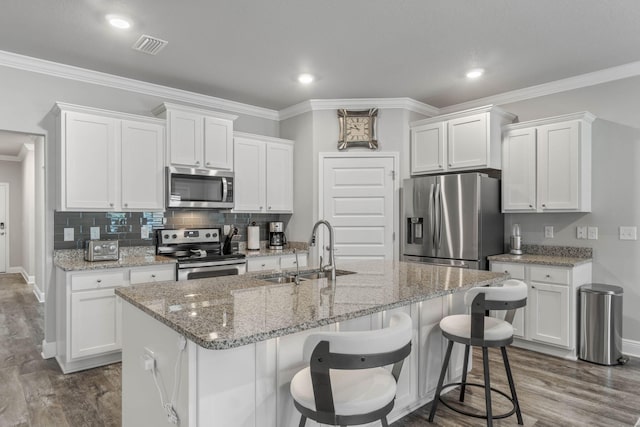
432	222
437	214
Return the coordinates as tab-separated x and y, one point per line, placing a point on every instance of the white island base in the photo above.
249	385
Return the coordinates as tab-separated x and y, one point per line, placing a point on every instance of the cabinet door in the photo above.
519	171
468	142
185	138
558	166
89	162
218	143
95	323
548	313
249	166
142	156
428	148
279	182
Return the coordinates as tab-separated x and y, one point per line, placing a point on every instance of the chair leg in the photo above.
463	386
303	421
512	386
443	371
487	385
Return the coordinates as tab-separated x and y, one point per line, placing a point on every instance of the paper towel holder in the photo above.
253	237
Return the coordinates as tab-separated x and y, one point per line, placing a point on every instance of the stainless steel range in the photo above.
199	253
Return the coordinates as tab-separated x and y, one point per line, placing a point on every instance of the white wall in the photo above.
615	187
28	214
25	105
11	172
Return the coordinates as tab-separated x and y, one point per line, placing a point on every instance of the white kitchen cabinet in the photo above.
263	174
460	141
547	165
198	138
548	322
276	262
89	325
108	161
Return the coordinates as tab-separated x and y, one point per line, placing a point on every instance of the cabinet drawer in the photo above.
289	261
263	263
550	275
515	270
93	280
153	274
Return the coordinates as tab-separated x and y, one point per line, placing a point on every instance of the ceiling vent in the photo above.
148	44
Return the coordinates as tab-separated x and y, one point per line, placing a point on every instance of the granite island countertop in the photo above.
559	256
137	256
231	311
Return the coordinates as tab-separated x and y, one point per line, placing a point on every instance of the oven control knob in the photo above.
175	236
215	235
112	248
97	249
208	235
166	236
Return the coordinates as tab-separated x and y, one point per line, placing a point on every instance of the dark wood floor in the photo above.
552	392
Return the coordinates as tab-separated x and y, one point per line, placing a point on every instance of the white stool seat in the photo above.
354	392
459	325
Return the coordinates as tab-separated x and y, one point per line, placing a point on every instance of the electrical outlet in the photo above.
144	231
628	233
95	233
581	232
148	359
592	233
548	231
68	234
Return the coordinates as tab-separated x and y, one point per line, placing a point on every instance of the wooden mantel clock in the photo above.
357	128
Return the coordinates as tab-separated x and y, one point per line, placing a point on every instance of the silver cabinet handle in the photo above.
530	206
533	287
260	207
99	280
197	162
544	206
269	208
126	204
111	204
208	163
547	276
153	276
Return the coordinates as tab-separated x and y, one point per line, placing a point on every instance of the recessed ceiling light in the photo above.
475	73
305	79
118	22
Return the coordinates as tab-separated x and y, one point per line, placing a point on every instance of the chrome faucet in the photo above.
297	276
312	242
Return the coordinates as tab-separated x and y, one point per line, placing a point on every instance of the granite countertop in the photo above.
231	311
137	256
561	256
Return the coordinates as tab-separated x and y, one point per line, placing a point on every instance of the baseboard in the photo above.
38	293
631	348
48	349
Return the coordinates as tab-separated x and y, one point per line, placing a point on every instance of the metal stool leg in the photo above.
443	371
303	421
512	386
487	385
384	422
463	386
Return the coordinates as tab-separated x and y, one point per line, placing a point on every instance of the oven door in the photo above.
192	271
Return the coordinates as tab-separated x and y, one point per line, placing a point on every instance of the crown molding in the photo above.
358	103
70	72
620	72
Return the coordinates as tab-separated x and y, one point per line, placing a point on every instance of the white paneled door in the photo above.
357	196
4	218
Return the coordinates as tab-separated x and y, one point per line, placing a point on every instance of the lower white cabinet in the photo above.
277	262
89	314
548	322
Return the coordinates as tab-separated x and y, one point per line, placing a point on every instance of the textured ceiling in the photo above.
251	51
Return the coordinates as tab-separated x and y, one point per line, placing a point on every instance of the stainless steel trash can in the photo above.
600	335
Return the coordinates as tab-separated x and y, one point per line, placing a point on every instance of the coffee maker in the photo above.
277	240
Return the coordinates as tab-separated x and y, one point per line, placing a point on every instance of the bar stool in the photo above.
478	329
346	383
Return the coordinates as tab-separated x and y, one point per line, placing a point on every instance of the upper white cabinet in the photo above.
198	138
108	161
460	141
263	174
547	165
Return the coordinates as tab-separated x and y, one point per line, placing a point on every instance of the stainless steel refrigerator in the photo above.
452	220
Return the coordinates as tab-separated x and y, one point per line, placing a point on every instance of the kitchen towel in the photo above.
253	237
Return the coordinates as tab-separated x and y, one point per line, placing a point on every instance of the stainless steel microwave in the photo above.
199	188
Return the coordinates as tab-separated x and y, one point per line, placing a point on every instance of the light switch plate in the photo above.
548	231
68	234
95	233
592	233
144	232
581	232
628	233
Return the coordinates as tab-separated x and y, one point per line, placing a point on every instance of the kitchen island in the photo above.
244	338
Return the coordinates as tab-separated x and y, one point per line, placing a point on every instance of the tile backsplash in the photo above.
127	226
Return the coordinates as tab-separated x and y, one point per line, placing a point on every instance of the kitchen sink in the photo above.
304	275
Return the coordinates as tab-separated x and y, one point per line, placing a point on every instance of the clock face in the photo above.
358	128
